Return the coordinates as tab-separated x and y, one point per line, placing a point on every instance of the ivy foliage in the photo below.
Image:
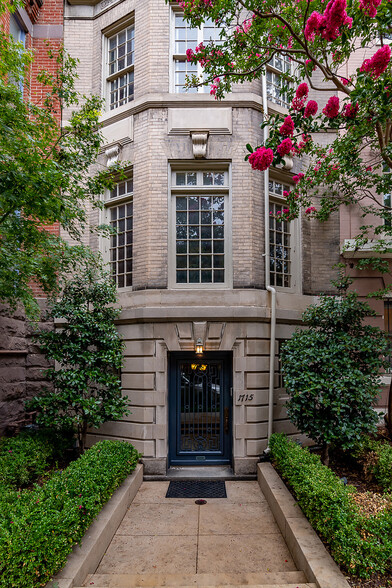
87	350
331	371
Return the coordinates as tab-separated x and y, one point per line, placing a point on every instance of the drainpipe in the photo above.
267	278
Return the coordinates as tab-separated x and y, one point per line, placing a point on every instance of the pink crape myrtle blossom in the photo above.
285	147
335	17
287	128
313	25
286	194
377	64
369	7
328	25
311	108
302	90
298	178
310	209
350	110
214	87
301	96
189	54
261	159
331	109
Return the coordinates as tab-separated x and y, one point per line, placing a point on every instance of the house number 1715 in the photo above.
245	397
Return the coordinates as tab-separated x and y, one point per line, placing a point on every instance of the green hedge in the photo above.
361	545
376	458
26	457
39	528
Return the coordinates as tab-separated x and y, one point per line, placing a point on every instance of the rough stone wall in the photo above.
21	367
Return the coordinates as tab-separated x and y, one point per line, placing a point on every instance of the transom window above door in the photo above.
200	227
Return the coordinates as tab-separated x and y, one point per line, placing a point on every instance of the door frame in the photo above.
174	360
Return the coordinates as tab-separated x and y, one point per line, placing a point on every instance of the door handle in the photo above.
226	420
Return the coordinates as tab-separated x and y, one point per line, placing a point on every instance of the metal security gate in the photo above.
200	409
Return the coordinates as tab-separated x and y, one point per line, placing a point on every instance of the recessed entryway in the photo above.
200	409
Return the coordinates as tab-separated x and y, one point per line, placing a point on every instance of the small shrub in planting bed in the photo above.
376	458
360	544
23	459
39	528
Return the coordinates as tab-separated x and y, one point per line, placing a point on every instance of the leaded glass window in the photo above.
121	49
280	238
187	37
200	209
277	86
120	208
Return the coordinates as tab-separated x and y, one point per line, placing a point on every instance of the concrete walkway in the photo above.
231	541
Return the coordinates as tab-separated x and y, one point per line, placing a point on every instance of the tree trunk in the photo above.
325	454
82	438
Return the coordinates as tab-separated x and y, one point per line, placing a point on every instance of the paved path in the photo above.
231	541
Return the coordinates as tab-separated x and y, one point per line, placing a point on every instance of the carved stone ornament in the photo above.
288	163
199	143
112	154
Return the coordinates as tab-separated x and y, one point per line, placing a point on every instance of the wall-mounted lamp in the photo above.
199	348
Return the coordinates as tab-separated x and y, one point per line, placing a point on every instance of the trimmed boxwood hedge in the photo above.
26	457
359	544
38	528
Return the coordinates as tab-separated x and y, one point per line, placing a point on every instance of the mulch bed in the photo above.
370	499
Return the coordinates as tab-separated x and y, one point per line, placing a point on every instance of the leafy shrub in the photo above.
376	458
88	354
39	528
24	458
361	545
331	372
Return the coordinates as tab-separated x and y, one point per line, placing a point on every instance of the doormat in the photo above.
196	489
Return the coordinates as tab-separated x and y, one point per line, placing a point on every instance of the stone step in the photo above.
295	585
261	580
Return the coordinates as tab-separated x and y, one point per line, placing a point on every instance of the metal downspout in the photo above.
267	278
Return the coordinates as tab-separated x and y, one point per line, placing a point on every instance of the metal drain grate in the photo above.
196	489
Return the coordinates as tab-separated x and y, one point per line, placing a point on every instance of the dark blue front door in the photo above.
200	409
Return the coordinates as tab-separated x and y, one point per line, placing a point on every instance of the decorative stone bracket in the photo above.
112	154
199	143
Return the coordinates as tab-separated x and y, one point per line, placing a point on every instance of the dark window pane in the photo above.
181	277
206	276
219	276
194	276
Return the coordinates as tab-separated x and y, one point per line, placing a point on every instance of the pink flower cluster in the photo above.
328	25
298	178
377	64
189	54
350	110
369	7
285	147
331	109
261	159
214	87
310	209
311	108
287	128
186	4
301	95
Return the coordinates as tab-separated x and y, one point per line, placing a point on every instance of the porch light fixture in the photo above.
199	348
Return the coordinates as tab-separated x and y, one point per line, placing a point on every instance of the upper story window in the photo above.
281	238
200	227
276	84
185	37
16	31
120	49
387	200
119	207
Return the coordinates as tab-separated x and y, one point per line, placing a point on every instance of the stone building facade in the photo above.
193	236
